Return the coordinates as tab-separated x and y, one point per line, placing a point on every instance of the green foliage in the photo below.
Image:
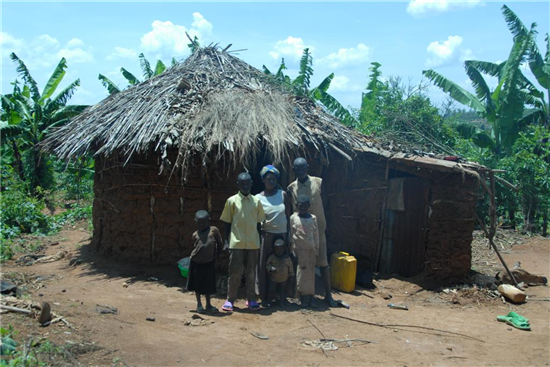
300	86
39	352
505	107
112	88
146	70
76	178
194	46
529	168
21	213
27	117
403	114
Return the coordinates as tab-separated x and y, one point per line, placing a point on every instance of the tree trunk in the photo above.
18	162
512	217
545	223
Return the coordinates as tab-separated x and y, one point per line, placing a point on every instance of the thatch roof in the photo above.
212	103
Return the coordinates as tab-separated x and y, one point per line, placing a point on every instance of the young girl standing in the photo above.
202	273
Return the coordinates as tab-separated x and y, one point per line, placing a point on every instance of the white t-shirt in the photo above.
274	209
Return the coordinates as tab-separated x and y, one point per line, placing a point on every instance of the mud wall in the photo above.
145	217
142	216
356	192
452	204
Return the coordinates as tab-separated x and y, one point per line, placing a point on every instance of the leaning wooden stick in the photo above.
15	309
496	250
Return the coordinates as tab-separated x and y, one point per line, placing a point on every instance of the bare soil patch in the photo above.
177	338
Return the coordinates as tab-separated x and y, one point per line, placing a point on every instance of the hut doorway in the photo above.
404	237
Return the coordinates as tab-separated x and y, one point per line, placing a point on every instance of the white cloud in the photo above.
200	25
75	55
10	44
45	50
342	83
82	96
122	53
444	52
291	47
339	82
74	43
466	54
424	7
347	56
170	37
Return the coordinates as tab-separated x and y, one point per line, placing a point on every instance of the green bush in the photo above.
20	212
529	168
76	179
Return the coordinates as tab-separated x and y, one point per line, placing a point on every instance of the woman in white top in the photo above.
277	206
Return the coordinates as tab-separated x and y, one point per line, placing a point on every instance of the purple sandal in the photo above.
253	305
227	306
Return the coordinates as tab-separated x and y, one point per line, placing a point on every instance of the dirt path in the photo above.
127	337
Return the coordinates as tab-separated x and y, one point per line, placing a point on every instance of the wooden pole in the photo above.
15	309
382	225
496	250
506	183
493	209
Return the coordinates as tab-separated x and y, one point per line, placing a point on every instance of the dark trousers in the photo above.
239	261
277	288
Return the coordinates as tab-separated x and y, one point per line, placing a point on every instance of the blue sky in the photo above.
405	37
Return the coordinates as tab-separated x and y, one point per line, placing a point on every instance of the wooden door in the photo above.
404	238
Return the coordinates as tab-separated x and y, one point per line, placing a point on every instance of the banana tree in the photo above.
503	107
28	116
370	106
300	86
146	69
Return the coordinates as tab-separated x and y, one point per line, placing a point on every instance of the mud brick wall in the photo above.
450	225
147	218
355	195
140	216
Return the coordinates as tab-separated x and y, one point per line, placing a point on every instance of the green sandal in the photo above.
212	309
515	320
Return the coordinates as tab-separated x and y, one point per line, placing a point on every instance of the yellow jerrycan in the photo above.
343	269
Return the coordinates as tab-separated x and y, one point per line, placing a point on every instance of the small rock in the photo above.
386	296
509	329
40	294
75	262
449	348
106	309
45	313
64	290
150	319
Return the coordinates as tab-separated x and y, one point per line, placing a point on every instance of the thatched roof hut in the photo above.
175	143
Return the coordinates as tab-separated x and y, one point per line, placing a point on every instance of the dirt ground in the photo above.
174	338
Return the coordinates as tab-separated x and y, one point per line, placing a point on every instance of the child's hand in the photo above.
225	245
272	269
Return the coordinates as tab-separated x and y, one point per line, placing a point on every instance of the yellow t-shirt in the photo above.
244	213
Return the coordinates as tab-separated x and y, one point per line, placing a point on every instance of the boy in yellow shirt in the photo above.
242	214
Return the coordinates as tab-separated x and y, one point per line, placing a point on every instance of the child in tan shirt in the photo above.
304	235
279	266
